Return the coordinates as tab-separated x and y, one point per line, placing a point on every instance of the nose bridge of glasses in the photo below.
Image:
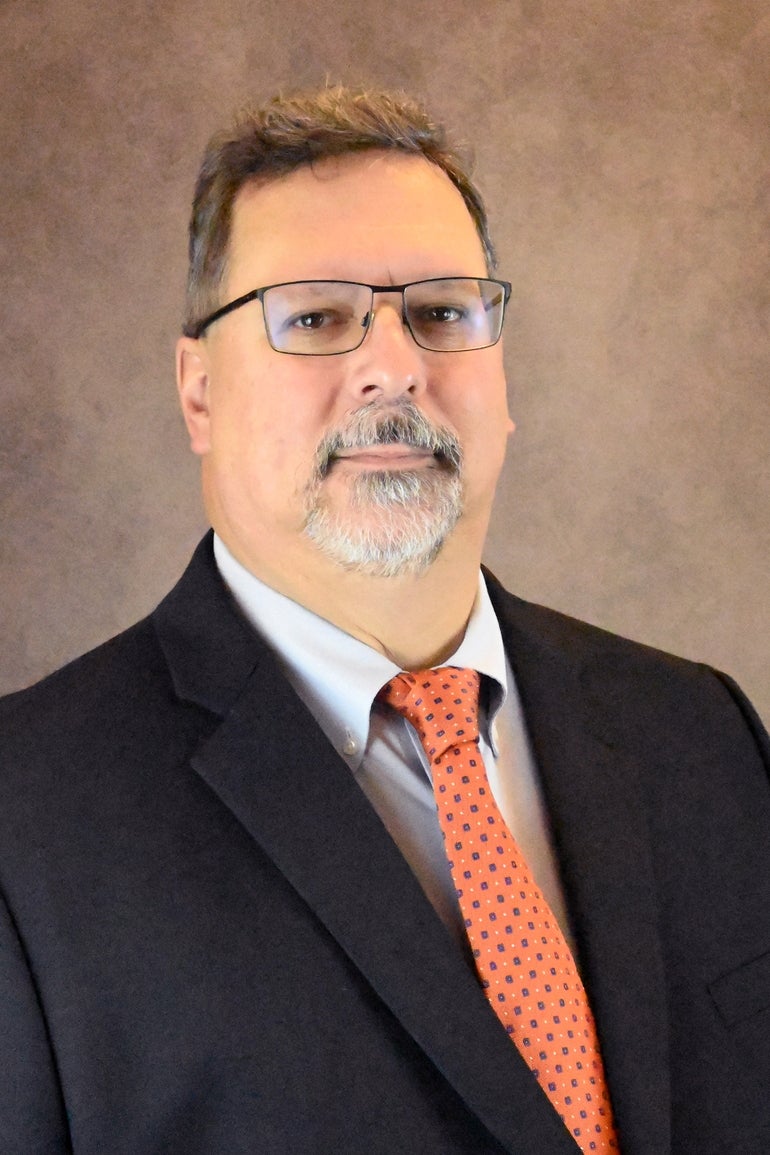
396	303
389	291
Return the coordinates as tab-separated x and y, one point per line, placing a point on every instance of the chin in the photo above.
385	523
391	525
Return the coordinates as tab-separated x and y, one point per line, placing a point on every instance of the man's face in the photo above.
395	416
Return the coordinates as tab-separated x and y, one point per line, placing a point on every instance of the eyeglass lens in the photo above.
326	317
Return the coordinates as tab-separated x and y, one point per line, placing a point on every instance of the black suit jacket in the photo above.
210	946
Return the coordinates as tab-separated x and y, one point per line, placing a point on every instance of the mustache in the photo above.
406	425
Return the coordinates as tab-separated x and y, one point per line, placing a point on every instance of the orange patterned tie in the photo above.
525	965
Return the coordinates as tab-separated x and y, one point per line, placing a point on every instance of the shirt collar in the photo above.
336	675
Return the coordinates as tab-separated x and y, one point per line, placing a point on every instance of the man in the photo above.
230	924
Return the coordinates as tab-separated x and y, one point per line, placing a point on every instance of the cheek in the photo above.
481	419
476	404
266	444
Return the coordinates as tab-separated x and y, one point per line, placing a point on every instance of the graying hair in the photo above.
299	129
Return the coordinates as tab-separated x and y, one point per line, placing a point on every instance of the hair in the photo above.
288	132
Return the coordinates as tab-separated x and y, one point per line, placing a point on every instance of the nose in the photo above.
388	363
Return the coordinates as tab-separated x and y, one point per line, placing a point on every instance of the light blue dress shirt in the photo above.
338	678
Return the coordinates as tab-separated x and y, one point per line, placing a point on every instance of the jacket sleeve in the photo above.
32	1116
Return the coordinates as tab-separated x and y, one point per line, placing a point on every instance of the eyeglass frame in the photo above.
200	327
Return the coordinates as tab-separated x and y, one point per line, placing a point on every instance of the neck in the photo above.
416	620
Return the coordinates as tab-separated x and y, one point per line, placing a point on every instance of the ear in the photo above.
192	382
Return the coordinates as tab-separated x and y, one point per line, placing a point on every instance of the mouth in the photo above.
390	456
398	438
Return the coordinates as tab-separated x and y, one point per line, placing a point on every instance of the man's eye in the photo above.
442	314
310	321
317	320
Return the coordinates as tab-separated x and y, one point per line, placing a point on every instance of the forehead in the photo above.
379	217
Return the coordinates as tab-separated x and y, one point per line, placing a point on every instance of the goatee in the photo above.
396	521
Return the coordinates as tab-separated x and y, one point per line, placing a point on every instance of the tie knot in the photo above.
442	705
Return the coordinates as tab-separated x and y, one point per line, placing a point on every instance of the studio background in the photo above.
623	151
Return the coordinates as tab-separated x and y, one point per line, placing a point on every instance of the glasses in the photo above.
323	318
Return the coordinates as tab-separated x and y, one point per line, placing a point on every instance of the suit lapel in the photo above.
272	766
593	790
325	838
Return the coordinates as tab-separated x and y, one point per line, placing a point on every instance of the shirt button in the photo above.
349	746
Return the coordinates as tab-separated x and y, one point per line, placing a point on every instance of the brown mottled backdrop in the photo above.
623	148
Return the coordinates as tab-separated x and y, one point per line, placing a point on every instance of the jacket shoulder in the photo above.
106	674
627	687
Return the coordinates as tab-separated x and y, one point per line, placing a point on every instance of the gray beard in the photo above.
395	521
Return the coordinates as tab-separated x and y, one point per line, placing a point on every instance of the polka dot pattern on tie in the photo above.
524	963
